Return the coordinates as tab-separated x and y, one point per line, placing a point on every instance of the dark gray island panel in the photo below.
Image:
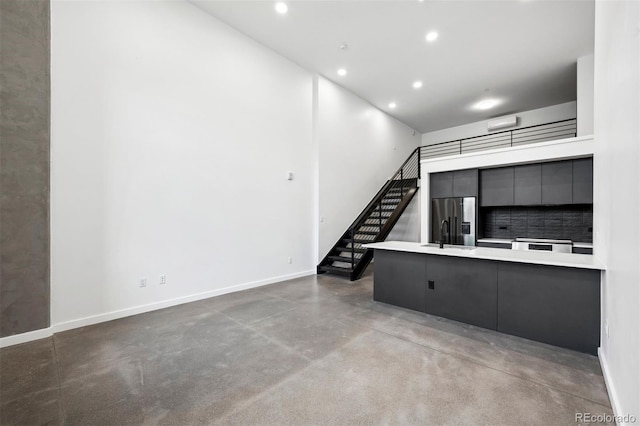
558	305
464	292
555	305
400	279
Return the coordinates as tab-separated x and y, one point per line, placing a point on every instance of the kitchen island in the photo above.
548	297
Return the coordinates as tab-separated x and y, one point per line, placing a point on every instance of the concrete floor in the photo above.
306	351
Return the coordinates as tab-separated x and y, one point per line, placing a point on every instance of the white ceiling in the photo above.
522	52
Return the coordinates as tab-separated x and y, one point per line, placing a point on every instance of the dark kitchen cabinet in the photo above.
459	183
400	279
527	185
441	185
496	187
557	182
555	305
583	181
550	304
554	183
465	183
462	289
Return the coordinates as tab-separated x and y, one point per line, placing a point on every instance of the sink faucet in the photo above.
444	221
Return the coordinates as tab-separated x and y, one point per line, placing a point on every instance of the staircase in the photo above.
347	257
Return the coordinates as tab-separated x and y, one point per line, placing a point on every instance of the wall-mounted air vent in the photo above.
502	123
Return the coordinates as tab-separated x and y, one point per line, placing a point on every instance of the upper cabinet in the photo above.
460	183
557	182
496	187
441	185
554	183
527	184
465	183
583	181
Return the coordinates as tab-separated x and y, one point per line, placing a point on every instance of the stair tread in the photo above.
336	270
355	249
342	258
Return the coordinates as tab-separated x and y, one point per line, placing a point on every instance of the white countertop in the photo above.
508	241
570	260
495	240
583	245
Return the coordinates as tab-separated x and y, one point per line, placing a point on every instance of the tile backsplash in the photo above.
571	222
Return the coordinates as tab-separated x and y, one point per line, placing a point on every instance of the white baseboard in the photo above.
109	316
26	337
611	390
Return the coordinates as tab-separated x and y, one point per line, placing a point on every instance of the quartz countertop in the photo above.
570	260
583	245
496	240
508	241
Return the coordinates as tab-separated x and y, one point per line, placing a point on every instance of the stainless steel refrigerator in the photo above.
455	218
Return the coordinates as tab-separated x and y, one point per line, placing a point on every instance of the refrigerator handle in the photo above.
449	230
455	229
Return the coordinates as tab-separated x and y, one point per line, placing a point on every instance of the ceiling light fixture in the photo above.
392	105
417	84
281	8
432	36
342	72
486	104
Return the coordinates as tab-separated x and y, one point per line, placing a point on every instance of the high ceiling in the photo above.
520	52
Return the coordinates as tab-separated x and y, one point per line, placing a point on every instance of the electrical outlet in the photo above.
143	282
290	260
163	279
606	329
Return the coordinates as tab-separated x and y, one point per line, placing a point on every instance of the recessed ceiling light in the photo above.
417	84
281	7
486	104
432	36
342	72
392	105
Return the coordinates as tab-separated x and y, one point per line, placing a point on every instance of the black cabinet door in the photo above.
555	305
400	279
583	181
496	187
465	183
527	189
462	289
557	182
441	185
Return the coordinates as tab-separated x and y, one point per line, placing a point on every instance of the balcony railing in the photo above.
522	136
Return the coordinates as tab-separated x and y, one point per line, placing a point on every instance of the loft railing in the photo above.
522	136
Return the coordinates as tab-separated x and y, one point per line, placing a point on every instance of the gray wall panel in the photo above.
24	165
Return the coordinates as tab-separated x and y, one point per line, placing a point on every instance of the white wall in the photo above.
584	95
171	138
616	196
408	226
558	112
360	147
